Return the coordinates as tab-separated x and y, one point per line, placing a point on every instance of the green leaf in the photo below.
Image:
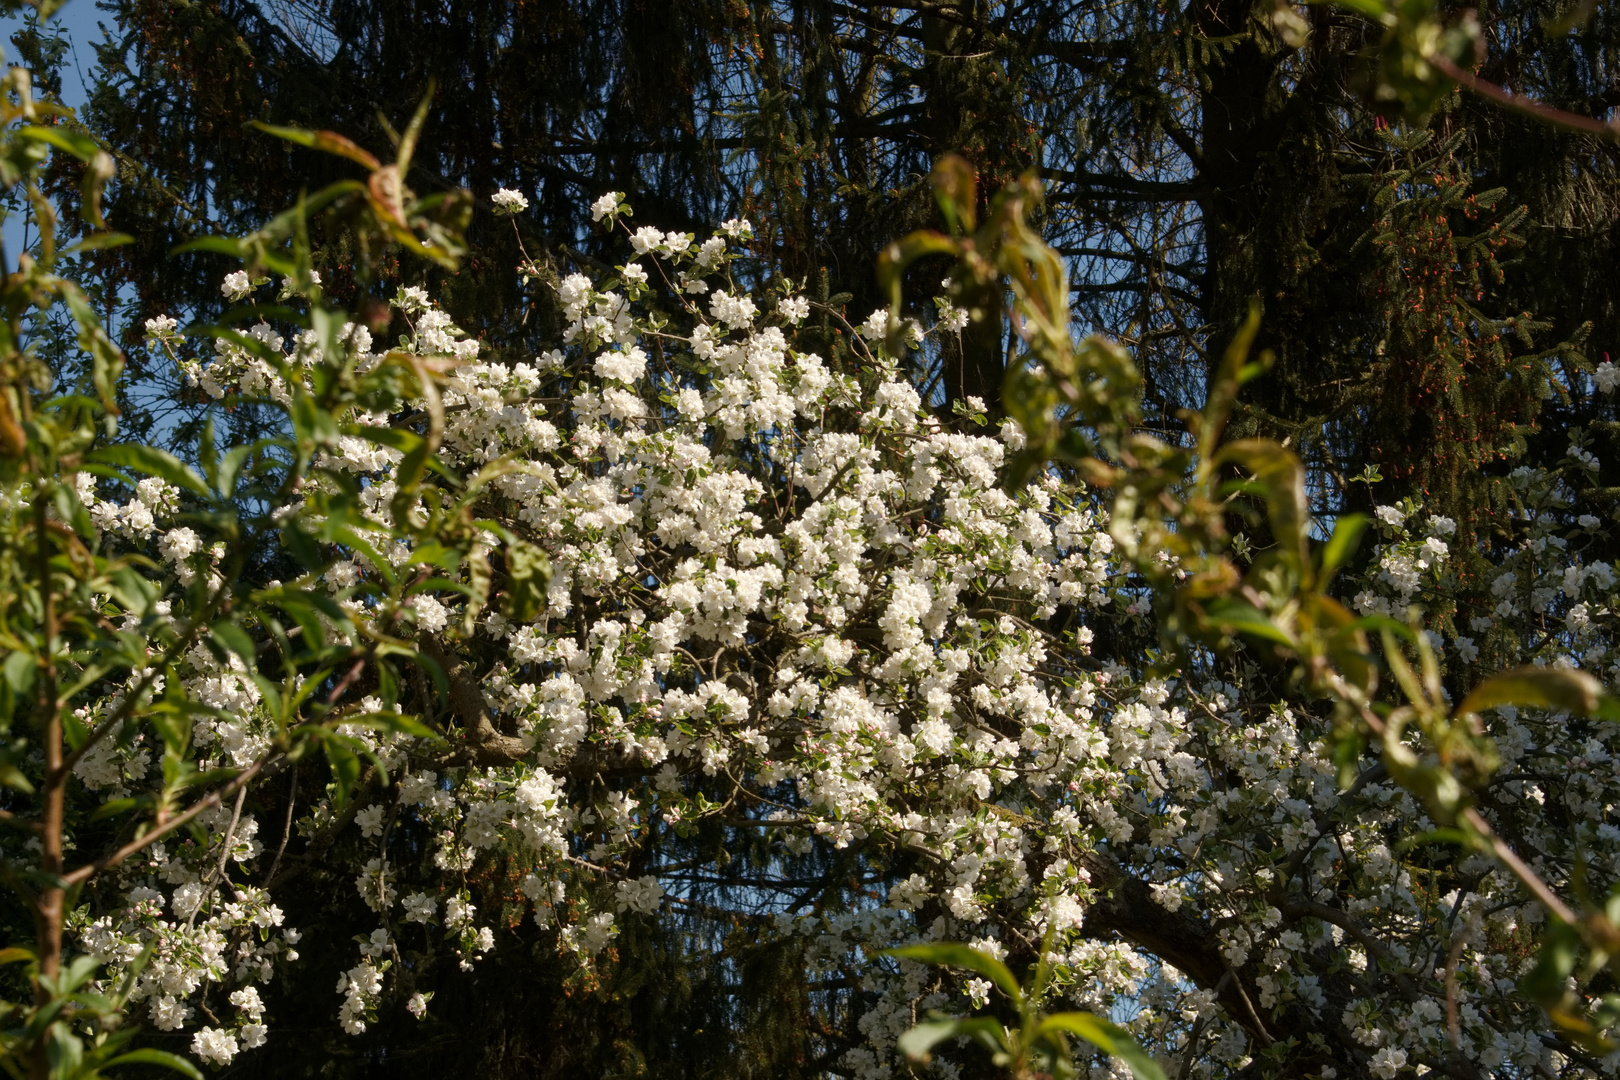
80	971
222	245
271	694
106	362
1559	955
208	453
345	763
407	475
963	956
1235	370
1372	9
434	553
393	438
1458	837
74	730
20	669
303	547
328	607
234	638
1235	616
10	775
1547	688
328	327
231	462
384	720
1282	474
304	613
65	1050
329	141
1109	1038
152	462
1342	544
99	169
157	1057
1384	625
902	253
956	189
529	570
361	543
917	1042
80	146
100	242
115	807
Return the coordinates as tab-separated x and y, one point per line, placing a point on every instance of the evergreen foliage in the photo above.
1198	159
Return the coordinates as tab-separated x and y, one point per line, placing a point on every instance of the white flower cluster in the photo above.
213	935
783	578
508	201
1607	377
1406	565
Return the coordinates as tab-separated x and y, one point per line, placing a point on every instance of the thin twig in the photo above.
1254	1014
89	870
286	826
1198	1030
348	680
1520	869
230	832
1529	106
218	872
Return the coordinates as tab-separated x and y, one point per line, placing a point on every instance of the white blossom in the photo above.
508	201
214	1046
236	287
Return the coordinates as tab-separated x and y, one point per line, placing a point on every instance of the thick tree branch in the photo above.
481	743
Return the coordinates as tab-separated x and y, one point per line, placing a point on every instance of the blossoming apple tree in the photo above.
553	612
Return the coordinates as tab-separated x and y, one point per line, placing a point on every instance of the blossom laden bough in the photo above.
677	571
